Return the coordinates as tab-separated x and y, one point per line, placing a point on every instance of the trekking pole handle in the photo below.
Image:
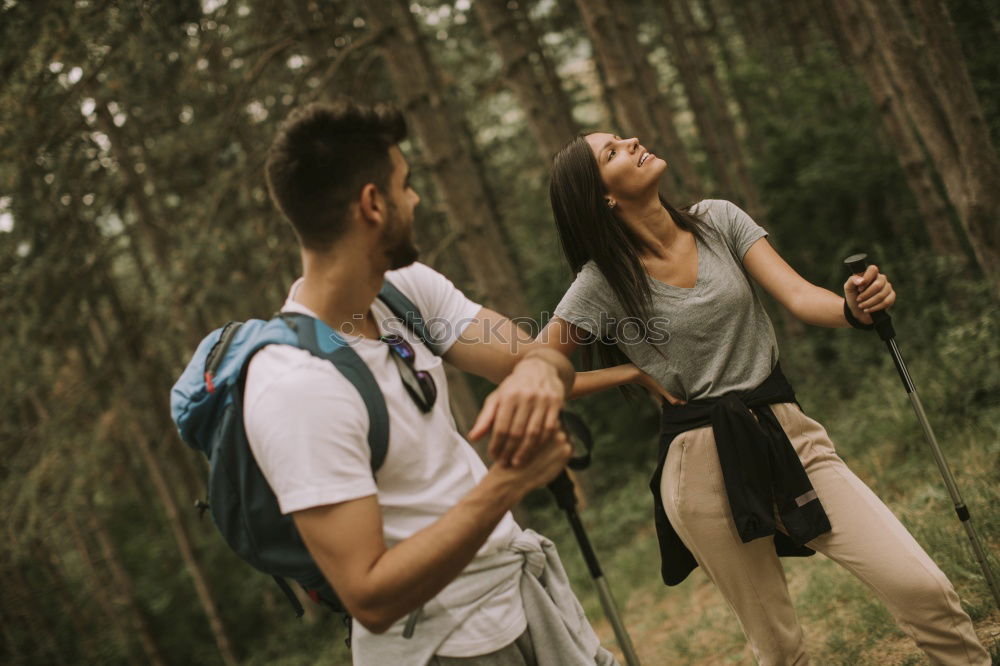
857	263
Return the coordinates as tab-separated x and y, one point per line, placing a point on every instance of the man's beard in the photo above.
400	249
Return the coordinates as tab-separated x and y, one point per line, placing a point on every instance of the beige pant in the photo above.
866	539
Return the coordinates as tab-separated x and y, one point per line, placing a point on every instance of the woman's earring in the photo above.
612	204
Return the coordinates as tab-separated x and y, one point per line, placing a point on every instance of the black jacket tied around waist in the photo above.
760	469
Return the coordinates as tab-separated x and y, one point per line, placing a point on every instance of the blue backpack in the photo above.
207	406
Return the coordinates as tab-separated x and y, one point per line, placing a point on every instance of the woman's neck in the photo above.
653	226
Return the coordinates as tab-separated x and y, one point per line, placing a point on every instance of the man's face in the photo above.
401	201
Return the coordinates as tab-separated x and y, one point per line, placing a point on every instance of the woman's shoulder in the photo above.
589	283
589	268
590	274
723	216
710	209
587	298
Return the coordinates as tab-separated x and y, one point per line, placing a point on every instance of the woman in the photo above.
743	474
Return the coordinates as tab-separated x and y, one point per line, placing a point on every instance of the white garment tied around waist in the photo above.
559	629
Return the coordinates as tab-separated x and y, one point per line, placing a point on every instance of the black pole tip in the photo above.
857	263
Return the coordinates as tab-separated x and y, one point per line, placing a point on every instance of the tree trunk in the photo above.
567	13
796	26
737	87
546	115
125	591
133	344
190	472
11	645
970	172
152	236
718	102
59	587
755	30
761	47
148	235
706	120
20	593
919	174
627	95
661	107
99	588
977	154
448	154
559	100
186	547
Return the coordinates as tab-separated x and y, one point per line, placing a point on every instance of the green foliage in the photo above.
819	172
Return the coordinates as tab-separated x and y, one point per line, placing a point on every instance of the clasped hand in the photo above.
523	412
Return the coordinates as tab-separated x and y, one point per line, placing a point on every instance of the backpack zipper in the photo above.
218	353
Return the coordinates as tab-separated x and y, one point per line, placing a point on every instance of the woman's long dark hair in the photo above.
589	229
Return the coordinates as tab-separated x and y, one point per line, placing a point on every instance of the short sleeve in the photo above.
589	302
445	309
740	229
307	427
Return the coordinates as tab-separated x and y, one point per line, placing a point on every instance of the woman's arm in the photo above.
562	336
815	305
594	381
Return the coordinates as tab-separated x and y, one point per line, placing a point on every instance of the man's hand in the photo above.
868	293
524	410
550	458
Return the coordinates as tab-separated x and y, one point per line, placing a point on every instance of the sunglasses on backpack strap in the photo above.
419	383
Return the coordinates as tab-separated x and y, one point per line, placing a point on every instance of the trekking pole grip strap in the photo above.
857	263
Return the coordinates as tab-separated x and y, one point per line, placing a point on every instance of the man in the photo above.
425	555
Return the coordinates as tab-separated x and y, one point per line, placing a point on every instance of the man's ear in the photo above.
371	204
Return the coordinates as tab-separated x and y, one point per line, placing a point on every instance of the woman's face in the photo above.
628	170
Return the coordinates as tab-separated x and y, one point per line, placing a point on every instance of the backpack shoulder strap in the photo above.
323	342
405	309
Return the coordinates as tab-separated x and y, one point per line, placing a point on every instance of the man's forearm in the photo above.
561	364
414	571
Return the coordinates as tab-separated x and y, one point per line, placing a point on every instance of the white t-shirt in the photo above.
307	426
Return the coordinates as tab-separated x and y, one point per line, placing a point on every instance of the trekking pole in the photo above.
857	264
564	491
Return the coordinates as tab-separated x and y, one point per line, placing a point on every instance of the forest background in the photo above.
134	218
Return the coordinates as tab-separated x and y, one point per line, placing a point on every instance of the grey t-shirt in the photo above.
701	342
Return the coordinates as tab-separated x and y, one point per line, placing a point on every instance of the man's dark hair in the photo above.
322	156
